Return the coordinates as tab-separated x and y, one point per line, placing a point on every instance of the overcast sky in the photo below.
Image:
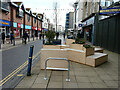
46	6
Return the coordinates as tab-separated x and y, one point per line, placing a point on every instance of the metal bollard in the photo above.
30	61
13	42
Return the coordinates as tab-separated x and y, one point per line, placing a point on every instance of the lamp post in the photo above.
75	8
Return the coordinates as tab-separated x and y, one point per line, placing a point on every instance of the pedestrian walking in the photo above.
64	35
57	35
40	35
3	37
11	37
25	36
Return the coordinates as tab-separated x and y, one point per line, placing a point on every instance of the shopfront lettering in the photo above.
4	23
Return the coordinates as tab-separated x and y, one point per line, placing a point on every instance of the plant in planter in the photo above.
87	46
78	41
50	36
89	50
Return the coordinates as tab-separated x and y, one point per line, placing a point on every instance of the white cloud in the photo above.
41	6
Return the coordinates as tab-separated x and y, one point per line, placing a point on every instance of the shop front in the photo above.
5	26
28	30
88	29
34	31
18	29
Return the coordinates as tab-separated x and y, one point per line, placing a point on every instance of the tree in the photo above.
55	7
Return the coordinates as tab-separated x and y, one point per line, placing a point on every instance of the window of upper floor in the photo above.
28	17
35	20
39	22
5	6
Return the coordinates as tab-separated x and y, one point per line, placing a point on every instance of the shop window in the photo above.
34	20
5	6
28	17
39	22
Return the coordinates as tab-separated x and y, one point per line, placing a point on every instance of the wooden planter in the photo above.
56	53
76	46
76	56
51	46
96	59
69	41
89	51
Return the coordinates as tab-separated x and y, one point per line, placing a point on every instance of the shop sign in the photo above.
27	27
20	12
14	24
21	25
34	28
18	25
39	29
80	25
5	23
114	10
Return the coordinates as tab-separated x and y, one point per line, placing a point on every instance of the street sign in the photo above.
80	25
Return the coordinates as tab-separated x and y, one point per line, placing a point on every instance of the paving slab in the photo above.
104	77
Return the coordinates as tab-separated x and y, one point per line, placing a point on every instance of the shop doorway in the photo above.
88	33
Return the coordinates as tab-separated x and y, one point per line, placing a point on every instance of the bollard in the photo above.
13	42
30	61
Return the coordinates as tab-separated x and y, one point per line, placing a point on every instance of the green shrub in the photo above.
50	35
87	46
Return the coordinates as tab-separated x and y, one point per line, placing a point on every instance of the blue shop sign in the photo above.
5	23
45	29
27	27
21	25
14	24
114	10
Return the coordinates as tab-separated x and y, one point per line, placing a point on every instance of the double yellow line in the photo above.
15	71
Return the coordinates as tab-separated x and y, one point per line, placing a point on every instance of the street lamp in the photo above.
75	8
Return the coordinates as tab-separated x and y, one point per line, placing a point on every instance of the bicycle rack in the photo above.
68	79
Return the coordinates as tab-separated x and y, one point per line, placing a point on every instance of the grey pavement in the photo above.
81	76
17	42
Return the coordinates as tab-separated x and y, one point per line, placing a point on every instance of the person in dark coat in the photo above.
11	37
3	37
25	36
64	35
57	35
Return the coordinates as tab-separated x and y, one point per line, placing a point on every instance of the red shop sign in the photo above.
18	25
39	29
34	28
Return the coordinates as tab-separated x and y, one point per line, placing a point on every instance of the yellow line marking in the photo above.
19	75
11	76
14	72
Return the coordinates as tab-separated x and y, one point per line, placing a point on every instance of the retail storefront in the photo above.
28	29
18	29
34	30
5	26
88	29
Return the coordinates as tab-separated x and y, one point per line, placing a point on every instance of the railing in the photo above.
68	79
